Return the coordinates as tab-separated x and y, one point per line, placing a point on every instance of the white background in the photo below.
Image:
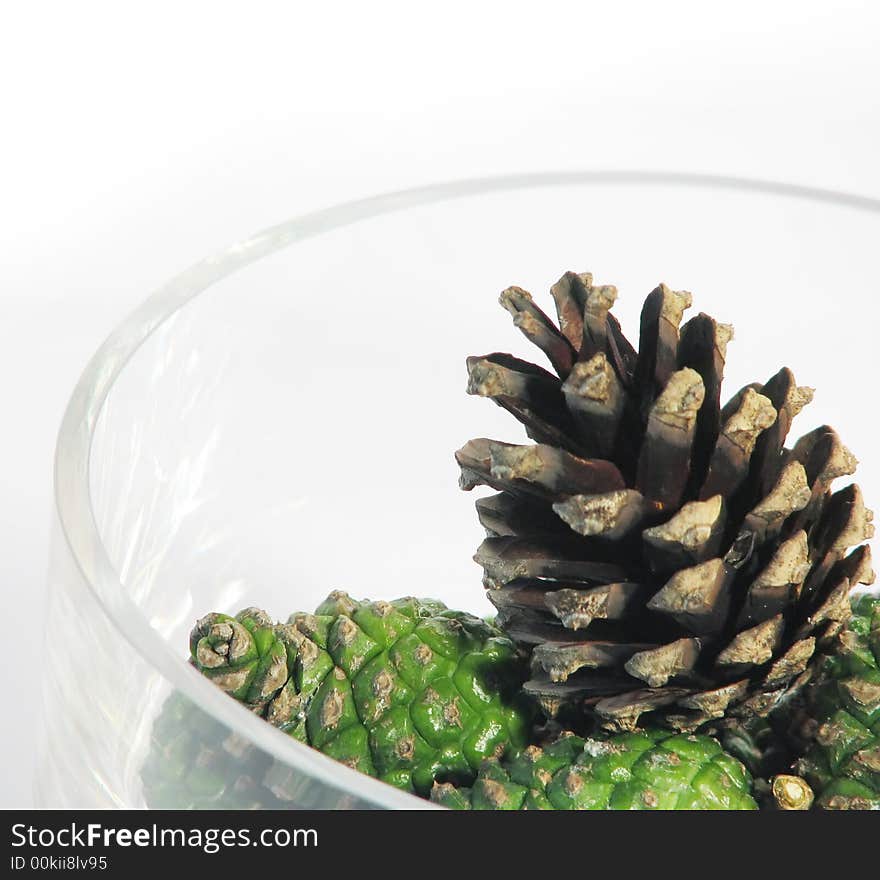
137	138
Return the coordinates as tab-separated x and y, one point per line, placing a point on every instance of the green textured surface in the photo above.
407	691
843	763
241	654
648	770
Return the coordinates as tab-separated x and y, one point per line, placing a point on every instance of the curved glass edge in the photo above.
72	496
119	735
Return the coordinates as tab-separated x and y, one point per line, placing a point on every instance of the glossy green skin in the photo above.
843	763
406	691
648	770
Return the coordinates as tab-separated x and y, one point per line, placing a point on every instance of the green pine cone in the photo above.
406	691
843	762
647	770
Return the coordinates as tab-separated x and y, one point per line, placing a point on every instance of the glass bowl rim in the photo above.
73	448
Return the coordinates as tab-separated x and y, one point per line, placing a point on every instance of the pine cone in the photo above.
842	762
660	555
407	691
648	770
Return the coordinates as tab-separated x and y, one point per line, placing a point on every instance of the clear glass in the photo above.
279	421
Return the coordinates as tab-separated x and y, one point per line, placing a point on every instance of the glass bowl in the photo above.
280	421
